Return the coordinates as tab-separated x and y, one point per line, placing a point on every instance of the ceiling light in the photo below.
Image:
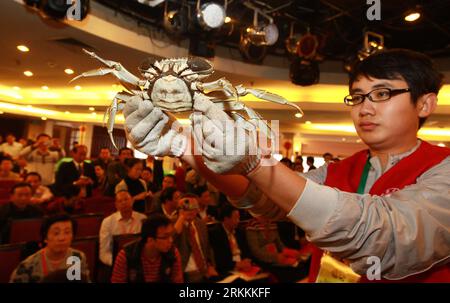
23	48
69	71
308	122
77	87
28	73
412	16
30	106
298	115
262	33
227	19
1	113
373	43
91	108
441	144
67	112
211	15
16	88
44	87
44	118
175	21
304	72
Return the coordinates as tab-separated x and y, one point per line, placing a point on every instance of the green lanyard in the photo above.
363	180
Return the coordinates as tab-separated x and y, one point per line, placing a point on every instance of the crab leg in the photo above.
117	105
265	95
127	79
221	84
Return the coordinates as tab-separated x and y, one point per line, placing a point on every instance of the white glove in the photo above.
151	131
228	146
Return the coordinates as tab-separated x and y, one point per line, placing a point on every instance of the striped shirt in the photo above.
151	268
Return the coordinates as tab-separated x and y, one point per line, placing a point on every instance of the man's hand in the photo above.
227	146
151	131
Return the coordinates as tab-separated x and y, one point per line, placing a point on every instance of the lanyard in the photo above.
363	180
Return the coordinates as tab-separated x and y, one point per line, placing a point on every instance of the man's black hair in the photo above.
151	224
33	173
167	194
19	185
225	211
415	68
124	148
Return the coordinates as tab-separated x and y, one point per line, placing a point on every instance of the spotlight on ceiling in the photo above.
175	21
304	72
262	33
413	14
211	15
373	43
251	52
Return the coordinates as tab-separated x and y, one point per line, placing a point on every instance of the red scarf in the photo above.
345	175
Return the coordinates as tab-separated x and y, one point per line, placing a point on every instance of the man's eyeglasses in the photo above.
376	95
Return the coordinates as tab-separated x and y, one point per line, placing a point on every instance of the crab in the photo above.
174	85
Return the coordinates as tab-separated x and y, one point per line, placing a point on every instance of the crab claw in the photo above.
95	72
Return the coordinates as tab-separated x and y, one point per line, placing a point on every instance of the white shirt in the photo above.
13	150
116	225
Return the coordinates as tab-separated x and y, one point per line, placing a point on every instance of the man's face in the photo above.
168	182
10	139
124	202
99	171
147	175
80	155
125	154
59	236
164	238
388	124
205	198
6	166
21	196
135	171
105	154
327	158
33	181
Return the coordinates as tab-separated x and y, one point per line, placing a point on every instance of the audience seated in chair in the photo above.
124	221
57	234
19	207
152	258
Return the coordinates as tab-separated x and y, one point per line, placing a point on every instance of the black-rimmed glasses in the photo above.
376	95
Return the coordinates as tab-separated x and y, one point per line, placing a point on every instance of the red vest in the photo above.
345	175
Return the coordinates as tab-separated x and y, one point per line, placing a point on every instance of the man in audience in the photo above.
104	157
193	242
327	157
6	173
207	212
168	181
147	176
228	244
124	221
11	148
41	159
117	170
20	207
76	178
153	258
169	203
310	162
40	193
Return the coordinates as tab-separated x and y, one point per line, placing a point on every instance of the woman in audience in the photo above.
100	172
134	184
57	233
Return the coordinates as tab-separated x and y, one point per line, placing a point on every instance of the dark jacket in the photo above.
68	173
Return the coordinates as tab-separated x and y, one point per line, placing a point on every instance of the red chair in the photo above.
105	209
119	241
24	230
89	246
10	256
88	225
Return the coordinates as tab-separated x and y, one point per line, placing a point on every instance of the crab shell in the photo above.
170	83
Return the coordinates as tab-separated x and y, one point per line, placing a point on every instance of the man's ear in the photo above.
426	105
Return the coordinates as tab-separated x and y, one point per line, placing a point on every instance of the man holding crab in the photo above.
389	203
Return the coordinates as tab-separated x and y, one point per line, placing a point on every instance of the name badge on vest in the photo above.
335	271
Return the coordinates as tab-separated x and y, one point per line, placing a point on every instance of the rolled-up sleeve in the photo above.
408	230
